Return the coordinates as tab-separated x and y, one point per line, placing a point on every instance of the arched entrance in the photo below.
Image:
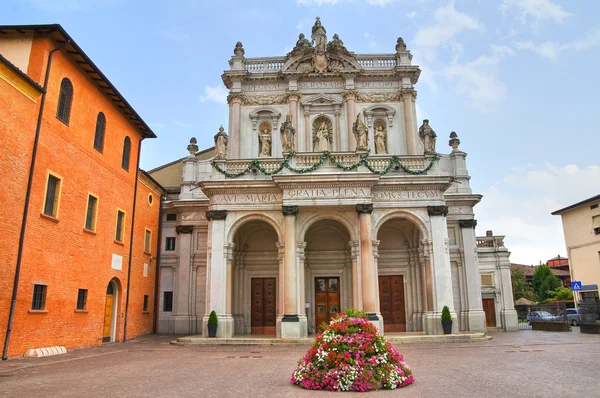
399	275
328	272
111	306
255	279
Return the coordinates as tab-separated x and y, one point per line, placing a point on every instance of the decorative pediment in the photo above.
374	111
310	61
265	113
325	99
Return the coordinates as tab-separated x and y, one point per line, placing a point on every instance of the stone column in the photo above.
302	289
408	97
217	292
510	320
307	143
441	272
280	285
235	113
350	97
293	97
229	255
370	286
356	290
184	320
338	137
290	324
475	313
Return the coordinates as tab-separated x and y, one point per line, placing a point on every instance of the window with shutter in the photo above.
126	153
90	217
63	112
120	226
52	195
99	134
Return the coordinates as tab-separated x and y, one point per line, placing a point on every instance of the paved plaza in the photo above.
525	364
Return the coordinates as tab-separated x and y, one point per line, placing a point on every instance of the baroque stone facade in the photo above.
284	239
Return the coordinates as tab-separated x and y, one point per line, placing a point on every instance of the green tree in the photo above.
560	294
520	286
543	281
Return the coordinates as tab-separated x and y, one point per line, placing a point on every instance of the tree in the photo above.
543	281
520	286
561	294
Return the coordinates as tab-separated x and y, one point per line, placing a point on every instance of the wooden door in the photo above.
327	300
263	312
489	307
391	303
107	318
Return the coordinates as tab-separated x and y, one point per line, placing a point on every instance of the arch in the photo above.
126	153
254	217
65	98
403	214
315	217
111	310
265	113
379	111
99	133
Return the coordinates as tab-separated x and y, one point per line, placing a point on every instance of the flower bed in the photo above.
351	356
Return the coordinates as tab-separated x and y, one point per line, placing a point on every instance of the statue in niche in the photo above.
319	36
287	134
380	137
361	133
428	136
221	141
264	137
302	44
322	134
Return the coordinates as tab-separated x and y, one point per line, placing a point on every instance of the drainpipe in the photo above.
156	274
137	172
38	128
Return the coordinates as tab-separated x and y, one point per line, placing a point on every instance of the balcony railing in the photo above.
366	61
490	242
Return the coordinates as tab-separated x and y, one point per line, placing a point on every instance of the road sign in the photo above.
576	285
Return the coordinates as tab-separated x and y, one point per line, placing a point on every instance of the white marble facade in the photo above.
354	225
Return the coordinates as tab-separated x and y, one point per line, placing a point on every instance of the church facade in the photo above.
324	194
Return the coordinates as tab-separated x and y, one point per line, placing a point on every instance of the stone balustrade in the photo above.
270	64
275	64
376	61
490	242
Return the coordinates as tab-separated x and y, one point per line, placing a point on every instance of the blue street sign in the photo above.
575	285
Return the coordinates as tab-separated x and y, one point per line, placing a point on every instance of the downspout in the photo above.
38	128
156	274
137	172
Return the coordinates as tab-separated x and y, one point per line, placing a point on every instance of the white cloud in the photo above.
157	125
552	50
318	3
478	80
538	10
217	93
181	124
370	40
448	23
519	207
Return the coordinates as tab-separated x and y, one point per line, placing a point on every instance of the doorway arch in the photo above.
111	308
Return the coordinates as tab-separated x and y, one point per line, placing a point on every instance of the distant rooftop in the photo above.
583	202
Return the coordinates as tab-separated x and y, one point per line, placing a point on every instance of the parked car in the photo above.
538	315
572	315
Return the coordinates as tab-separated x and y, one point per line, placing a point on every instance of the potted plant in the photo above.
212	324
446	320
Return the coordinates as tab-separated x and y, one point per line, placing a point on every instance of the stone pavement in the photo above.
520	364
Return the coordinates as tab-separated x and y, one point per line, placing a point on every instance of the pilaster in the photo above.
290	323
475	313
183	320
408	97
235	113
350	98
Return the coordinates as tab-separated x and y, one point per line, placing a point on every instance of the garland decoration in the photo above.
394	162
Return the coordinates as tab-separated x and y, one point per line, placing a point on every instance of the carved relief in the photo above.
379	97
263	99
322	134
467	223
216	215
366	208
289	210
437	210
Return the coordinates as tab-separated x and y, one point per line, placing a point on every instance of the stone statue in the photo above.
380	137
361	133
238	51
287	134
428	136
319	36
265	143
454	142
193	148
302	44
400	45
322	138
221	141
336	44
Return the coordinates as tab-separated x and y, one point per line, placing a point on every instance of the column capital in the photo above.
350	94
289	210
216	215
467	223
184	229
234	98
364	208
292	95
409	93
437	210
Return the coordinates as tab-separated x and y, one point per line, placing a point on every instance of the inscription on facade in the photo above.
264	87
246	198
338	84
326	193
376	84
406	195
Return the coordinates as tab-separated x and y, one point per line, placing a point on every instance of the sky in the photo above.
516	79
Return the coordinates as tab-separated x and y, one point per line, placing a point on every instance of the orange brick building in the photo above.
75	286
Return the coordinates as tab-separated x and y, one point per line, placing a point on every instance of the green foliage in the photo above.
520	286
446	314
212	318
352	313
543	281
560	294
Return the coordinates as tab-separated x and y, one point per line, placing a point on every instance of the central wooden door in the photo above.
108	312
391	303
489	307
264	314
327	300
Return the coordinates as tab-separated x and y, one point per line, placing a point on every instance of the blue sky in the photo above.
516	79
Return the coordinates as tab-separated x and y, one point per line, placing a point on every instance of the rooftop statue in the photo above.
400	45
193	148
221	141
239	51
336	44
319	36
361	133
287	135
454	142
428	136
302	44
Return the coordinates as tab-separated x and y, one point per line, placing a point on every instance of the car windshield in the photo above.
544	314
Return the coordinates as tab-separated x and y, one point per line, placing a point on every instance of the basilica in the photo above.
324	192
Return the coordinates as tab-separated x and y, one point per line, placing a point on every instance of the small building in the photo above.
581	228
79	222
529	270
